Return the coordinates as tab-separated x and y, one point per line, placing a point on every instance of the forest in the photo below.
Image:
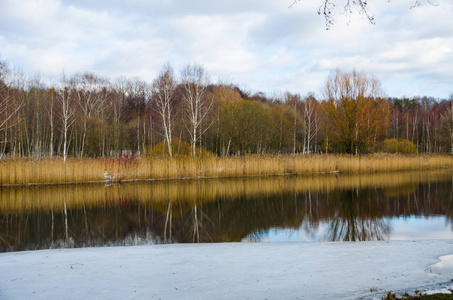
87	115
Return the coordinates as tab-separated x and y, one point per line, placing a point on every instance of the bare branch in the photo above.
327	8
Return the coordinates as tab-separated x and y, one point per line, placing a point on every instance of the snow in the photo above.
338	270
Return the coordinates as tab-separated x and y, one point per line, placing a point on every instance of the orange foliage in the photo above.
356	114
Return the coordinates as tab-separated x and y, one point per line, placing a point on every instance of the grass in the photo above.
76	170
440	296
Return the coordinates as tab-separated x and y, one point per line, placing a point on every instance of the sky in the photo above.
265	45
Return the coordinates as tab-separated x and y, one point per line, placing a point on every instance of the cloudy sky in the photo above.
260	45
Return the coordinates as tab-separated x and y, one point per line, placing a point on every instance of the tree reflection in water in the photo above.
355	208
355	218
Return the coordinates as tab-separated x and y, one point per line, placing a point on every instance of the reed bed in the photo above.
54	171
188	193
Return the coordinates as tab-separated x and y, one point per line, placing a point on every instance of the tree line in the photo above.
87	115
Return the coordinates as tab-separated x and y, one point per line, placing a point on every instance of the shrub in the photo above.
399	146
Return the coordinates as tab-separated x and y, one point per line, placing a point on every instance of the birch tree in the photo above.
163	93
311	119
197	106
50	110
66	113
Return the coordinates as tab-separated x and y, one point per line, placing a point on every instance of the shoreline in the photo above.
325	270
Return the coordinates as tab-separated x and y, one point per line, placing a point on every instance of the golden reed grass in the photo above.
53	171
188	193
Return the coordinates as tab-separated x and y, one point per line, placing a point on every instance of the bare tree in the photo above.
311	119
195	82
118	100
67	112
9	105
88	89
129	106
447	122
139	96
294	101
34	116
50	111
163	91
451	127
355	111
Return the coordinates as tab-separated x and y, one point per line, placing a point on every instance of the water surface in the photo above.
273	209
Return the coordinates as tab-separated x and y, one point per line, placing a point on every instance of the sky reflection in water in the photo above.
407	228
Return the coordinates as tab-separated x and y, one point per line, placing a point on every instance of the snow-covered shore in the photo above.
341	270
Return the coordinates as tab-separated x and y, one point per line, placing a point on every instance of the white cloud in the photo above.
261	44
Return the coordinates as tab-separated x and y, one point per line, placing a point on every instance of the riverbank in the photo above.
28	171
342	270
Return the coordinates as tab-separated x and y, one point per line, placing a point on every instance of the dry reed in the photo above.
53	171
